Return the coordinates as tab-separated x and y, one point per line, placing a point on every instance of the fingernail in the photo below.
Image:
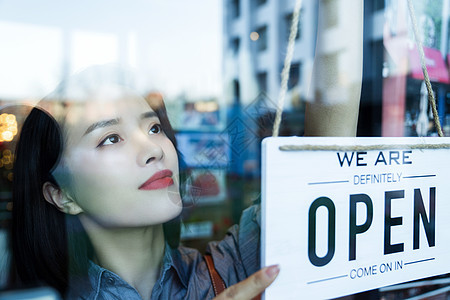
272	271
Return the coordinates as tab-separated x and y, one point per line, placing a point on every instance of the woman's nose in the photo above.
149	151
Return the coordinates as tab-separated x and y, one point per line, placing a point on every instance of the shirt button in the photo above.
111	281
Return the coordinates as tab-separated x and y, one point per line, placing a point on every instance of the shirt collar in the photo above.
95	276
174	258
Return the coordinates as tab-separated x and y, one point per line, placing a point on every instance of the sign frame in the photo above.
303	178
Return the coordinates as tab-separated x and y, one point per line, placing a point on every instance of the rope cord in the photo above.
431	99
287	67
290	52
362	147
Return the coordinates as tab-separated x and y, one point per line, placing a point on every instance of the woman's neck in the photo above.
135	254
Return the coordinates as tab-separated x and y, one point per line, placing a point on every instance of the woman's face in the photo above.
122	170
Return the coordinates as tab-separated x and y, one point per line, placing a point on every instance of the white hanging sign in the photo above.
361	214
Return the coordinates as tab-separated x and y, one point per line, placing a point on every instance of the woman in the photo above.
96	202
97	193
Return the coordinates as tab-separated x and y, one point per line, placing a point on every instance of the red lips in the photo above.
159	180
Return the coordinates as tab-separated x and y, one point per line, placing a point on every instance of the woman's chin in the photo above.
178	206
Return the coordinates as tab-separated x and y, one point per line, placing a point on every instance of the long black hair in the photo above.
50	247
39	236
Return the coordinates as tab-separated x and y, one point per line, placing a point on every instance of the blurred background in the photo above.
217	63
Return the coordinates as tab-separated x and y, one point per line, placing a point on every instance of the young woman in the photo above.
96	203
97	192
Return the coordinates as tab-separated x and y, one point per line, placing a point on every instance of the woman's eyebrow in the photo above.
102	124
149	114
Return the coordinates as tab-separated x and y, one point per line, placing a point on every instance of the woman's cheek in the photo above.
93	177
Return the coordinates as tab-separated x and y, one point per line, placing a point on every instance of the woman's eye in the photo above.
110	139
156	128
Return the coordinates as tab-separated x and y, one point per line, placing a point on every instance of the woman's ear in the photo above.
56	197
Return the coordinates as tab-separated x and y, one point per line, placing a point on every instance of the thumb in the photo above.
252	286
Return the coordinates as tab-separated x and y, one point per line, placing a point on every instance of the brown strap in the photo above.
217	281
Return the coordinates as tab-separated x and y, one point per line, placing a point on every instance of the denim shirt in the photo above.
184	274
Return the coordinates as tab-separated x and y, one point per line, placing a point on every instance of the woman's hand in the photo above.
252	286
